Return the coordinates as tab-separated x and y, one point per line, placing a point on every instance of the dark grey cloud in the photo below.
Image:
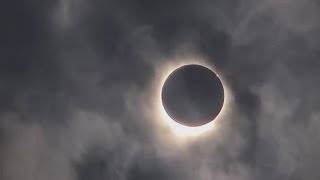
77	82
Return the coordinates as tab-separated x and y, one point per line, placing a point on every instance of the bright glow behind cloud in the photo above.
177	128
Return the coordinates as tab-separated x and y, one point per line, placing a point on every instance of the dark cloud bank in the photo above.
75	80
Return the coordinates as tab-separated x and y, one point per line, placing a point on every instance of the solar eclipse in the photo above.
190	113
192	95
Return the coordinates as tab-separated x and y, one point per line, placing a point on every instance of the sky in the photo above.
79	83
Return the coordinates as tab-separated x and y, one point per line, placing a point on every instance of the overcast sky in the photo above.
78	83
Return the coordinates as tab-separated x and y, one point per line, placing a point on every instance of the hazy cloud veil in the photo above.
77	83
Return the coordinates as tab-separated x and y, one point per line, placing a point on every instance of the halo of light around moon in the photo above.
160	113
192	95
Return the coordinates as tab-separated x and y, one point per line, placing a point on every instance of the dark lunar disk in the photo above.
192	95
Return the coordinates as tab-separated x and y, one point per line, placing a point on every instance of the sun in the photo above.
177	128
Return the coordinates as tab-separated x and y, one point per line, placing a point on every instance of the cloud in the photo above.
78	82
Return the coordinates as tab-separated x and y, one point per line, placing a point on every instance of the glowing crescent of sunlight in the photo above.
179	129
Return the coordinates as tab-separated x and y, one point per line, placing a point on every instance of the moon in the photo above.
192	95
166	119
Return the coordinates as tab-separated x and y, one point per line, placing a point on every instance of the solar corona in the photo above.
191	97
